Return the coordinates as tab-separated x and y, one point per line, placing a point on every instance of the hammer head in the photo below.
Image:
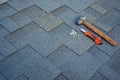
80	21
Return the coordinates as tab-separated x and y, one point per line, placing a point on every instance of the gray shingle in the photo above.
101	56
9	24
47	44
61	77
16	4
3	31
22	77
62	31
35	36
1	77
109	20
99	8
94	13
27	34
110	50
97	76
26	61
109	73
6	48
48	5
78	5
72	66
3	1
20	4
1	56
48	22
114	61
6	10
110	4
34	13
24	17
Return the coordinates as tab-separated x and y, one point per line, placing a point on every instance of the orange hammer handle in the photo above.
108	39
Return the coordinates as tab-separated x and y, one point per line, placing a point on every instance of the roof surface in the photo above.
35	43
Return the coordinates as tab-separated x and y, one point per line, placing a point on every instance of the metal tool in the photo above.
83	21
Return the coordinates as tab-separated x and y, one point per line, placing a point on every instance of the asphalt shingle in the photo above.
22	77
97	76
61	77
35	36
1	77
9	24
27	34
3	1
77	5
23	17
48	5
73	66
109	73
97	53
114	61
20	4
35	40
6	48
110	4
34	13
1	56
27	61
48	21
6	10
109	20
99	8
3	31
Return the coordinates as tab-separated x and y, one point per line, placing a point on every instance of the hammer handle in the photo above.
108	39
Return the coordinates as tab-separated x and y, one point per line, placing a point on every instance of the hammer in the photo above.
83	21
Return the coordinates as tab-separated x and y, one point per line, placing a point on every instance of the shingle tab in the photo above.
16	4
6	10
34	13
97	76
97	53
27	61
109	73
26	35
6	48
24	17
78	5
1	77
3	1
1	56
99	8
48	22
22	77
114	61
35	36
109	20
48	5
61	77
9	24
73	66
3	31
